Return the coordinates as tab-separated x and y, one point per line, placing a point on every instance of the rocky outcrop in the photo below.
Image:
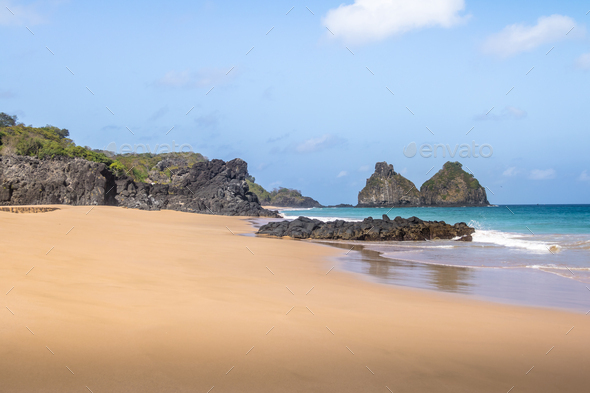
211	187
387	188
452	186
69	181
400	229
285	200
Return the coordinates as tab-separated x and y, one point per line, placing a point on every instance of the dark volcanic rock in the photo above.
371	229
452	186
70	181
211	187
388	188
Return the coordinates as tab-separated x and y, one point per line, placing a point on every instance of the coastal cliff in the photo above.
62	180
452	186
209	187
388	188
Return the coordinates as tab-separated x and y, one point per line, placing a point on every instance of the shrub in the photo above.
117	168
51	149
28	146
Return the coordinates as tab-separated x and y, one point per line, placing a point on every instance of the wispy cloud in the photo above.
583	62
323	142
584	176
512	171
518	38
159	113
374	20
203	78
210	120
364	168
342	174
14	14
7	94
278	138
542	174
508	113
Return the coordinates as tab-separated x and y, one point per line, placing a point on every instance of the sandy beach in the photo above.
111	299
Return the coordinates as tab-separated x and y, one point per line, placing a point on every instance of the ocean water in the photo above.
533	254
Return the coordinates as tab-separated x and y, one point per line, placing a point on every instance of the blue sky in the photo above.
308	108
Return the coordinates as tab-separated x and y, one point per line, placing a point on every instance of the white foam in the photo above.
513	240
556	267
323	218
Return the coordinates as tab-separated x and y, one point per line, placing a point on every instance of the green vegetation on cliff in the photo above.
42	142
450	172
263	195
50	142
452	186
138	166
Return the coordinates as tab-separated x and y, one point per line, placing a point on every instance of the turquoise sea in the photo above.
532	254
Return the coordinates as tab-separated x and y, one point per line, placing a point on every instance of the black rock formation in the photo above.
400	229
68	181
211	187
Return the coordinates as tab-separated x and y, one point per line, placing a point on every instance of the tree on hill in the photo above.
6	120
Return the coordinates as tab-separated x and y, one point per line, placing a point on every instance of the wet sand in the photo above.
530	287
133	301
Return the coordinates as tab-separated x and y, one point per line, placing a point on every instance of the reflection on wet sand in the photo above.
444	278
517	286
485	277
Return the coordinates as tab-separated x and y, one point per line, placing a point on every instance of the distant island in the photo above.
451	186
281	197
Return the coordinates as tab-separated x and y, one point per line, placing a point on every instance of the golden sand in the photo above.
137	301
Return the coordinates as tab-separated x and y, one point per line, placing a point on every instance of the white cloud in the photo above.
583	62
584	176
403	171
512	171
203	78
517	38
21	15
316	144
342	174
542	174
373	20
514	112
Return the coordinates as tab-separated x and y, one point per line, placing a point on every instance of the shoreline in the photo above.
162	300
559	293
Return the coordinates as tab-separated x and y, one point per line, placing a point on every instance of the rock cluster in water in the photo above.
401	229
